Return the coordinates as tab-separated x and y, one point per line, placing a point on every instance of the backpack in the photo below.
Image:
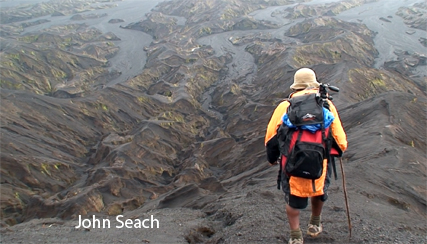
304	138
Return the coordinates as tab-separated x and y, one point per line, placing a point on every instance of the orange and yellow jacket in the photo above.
299	186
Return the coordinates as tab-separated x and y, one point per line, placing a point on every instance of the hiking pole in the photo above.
345	196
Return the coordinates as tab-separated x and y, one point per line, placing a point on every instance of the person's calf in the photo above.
316	206
293	217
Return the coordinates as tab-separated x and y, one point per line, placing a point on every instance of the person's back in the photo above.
298	190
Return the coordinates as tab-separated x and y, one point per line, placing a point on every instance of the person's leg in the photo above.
315	227
293	217
293	206
316	206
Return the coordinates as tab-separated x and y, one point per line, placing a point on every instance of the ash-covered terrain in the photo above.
140	108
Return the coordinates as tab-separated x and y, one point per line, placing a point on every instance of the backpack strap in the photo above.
329	146
313	185
279	176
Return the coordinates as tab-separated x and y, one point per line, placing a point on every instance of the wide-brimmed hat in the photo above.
304	78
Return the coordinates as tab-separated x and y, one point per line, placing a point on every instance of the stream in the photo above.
131	58
391	36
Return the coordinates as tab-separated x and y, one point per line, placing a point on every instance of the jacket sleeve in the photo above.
271	142
338	133
272	148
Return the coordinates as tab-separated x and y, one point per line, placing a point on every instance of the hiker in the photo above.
298	190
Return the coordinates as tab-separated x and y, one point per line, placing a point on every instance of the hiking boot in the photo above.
295	241
314	230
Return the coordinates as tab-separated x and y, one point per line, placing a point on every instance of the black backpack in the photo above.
303	151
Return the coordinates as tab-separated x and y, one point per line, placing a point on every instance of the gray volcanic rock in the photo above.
78	17
423	41
415	16
332	41
114	21
327	9
71	58
32	23
87	16
54	8
157	24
